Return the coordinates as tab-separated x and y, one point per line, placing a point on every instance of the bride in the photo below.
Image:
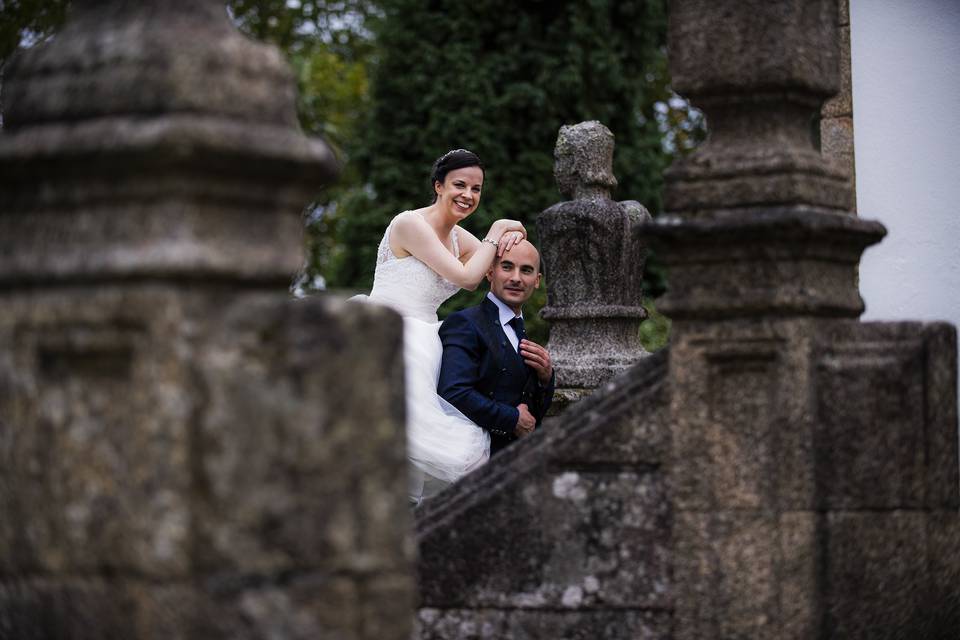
423	259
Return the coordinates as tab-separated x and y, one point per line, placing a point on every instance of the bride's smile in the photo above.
460	192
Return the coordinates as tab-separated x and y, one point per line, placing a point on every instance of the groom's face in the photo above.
515	276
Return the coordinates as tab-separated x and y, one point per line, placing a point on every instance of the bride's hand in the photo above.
508	241
509	233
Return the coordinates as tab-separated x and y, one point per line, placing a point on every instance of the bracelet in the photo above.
495	243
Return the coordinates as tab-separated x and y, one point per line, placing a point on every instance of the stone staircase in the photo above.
564	534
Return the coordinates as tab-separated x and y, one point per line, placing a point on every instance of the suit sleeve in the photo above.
460	377
542	397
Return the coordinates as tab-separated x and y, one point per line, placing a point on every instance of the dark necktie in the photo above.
517	324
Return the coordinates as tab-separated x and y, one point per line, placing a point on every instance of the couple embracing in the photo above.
474	383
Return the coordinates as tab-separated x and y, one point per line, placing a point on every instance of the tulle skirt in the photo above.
442	443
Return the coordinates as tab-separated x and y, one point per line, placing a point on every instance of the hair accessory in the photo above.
453	151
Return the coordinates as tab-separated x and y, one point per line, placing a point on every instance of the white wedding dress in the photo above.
442	443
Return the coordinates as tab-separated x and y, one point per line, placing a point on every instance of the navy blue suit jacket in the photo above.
483	377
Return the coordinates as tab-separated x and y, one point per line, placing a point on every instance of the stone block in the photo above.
175	436
727	575
96	441
774	181
725	449
746	45
799	538
877	576
588	624
308	607
625	425
292	607
841	104
886	387
861	413
386	607
940	414
774	261
942	607
303	463
843	13
75	609
563	539
836	140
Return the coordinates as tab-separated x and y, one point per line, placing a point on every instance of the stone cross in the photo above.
185	452
593	258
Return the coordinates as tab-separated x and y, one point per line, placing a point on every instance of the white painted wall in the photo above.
906	109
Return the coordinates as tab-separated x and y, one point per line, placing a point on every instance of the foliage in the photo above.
28	21
500	78
655	330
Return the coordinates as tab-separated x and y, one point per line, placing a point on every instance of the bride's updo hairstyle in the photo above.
451	161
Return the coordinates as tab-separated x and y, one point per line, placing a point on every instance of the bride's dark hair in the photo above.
451	161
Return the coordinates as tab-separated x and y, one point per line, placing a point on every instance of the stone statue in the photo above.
593	258
583	165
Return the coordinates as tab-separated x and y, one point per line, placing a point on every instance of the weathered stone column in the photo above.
814	458
593	260
184	451
836	115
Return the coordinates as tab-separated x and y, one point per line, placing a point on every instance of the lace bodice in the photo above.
408	285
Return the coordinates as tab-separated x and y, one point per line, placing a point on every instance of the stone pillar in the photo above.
184	451
814	458
593	260
836	116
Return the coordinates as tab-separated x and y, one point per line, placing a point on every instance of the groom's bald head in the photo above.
516	275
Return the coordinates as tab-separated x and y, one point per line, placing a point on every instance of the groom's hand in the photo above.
525	422
538	359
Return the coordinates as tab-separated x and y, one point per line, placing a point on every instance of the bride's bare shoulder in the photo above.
411	221
407	228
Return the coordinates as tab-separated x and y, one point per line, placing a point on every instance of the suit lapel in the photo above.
492	330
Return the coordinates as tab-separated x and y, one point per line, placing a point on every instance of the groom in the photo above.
490	371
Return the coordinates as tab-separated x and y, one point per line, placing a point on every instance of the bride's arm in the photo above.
468	244
508	239
414	235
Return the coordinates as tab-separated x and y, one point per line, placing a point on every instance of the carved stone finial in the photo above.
584	161
593	258
759	93
757	219
156	125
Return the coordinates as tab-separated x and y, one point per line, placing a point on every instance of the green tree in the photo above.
500	78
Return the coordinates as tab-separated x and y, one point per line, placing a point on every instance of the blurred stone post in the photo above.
185	453
593	261
814	458
836	115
